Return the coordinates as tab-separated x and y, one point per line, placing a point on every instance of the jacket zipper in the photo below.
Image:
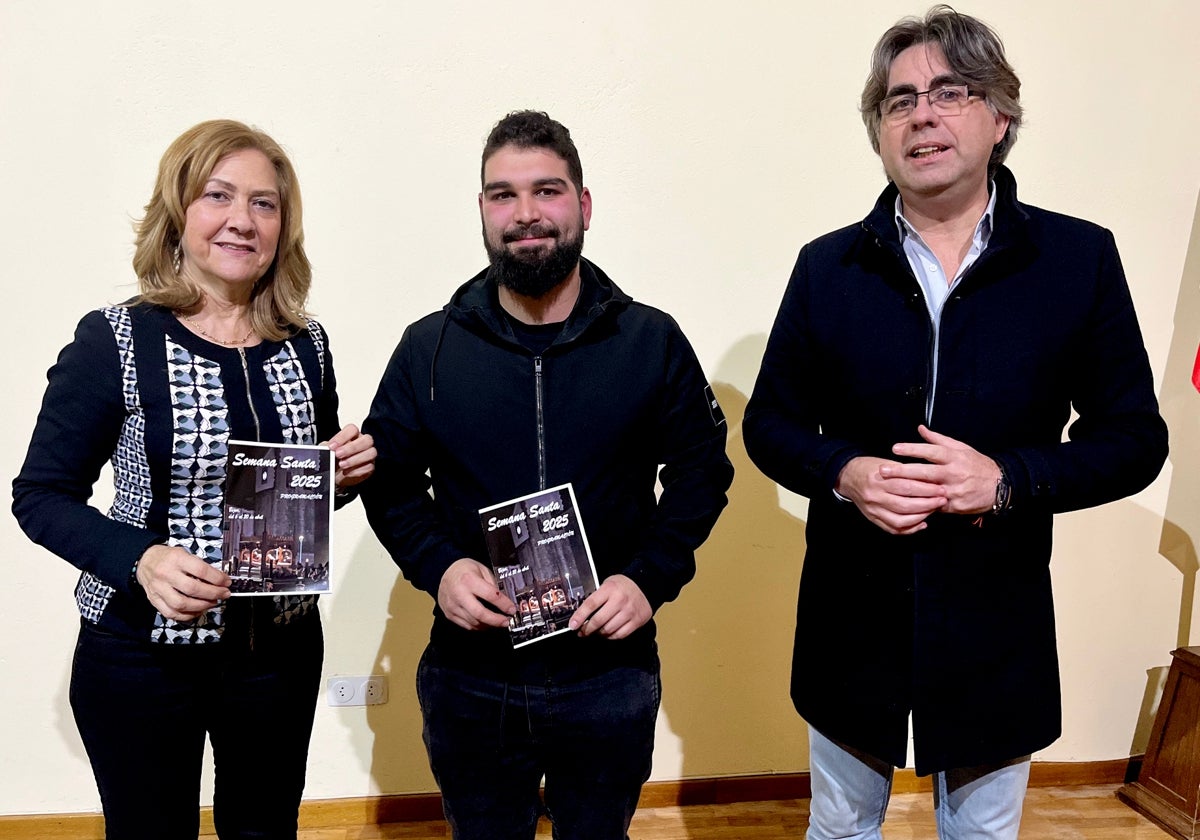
249	398
257	436
541	422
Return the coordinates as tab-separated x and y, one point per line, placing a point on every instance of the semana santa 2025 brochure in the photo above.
278	516
541	558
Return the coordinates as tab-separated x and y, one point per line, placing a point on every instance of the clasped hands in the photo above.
468	596
950	477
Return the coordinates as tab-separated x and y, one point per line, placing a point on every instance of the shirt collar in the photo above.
983	230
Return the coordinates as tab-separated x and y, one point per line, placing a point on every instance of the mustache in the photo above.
537	230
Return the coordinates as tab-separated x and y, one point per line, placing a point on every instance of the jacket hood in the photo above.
475	305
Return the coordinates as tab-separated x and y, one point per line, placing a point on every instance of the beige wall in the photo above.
716	139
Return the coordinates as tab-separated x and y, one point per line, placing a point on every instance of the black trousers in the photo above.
491	742
143	711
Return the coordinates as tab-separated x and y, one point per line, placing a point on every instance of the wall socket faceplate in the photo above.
357	691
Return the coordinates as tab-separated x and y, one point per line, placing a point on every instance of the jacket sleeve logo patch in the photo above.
714	408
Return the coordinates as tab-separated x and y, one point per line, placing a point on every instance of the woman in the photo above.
215	347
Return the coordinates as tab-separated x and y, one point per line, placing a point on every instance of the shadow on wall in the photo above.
726	644
1180	405
389	747
397	750
1092	650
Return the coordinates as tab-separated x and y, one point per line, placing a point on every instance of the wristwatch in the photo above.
1003	499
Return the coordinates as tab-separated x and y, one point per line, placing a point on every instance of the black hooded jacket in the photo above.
465	409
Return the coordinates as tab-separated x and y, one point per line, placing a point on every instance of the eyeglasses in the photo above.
947	100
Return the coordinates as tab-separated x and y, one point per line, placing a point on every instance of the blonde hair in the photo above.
279	296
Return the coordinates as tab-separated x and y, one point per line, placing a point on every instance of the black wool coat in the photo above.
955	623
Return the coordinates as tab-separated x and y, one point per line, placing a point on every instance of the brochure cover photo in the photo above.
278	510
540	554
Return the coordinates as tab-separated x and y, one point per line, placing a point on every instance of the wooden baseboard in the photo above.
381	810
1041	774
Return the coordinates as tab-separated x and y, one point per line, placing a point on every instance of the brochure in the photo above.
540	554
278	512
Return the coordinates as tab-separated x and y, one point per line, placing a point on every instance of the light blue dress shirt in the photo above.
932	277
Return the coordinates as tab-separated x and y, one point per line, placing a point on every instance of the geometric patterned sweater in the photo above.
139	389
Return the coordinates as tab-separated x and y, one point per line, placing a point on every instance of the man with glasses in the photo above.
916	384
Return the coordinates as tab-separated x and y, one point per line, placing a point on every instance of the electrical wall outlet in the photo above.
341	691
357	691
373	691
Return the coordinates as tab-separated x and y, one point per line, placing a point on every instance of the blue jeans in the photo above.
850	792
143	711
490	743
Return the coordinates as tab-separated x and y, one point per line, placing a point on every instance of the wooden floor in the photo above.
1090	812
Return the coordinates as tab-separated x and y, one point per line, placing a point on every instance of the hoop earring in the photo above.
177	257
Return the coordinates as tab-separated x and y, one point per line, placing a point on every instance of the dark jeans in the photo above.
143	710
490	743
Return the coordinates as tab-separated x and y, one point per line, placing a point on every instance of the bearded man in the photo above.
540	372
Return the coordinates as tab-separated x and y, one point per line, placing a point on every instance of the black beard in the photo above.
534	273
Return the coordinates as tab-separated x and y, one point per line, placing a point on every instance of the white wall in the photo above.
716	139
